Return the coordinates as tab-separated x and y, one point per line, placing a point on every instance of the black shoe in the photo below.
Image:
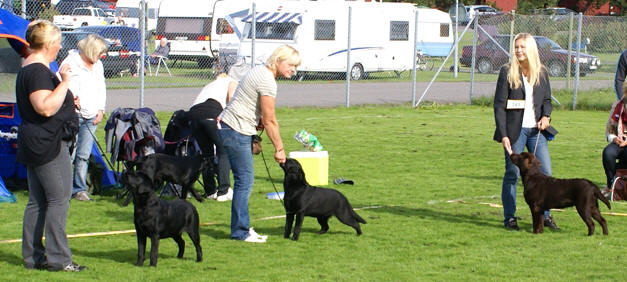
550	223
72	267
512	224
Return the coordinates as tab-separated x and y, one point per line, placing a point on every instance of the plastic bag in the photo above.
309	141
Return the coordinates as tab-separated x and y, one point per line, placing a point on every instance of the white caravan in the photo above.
382	34
128	11
196	28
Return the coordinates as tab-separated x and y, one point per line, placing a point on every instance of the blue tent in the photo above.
5	195
13	28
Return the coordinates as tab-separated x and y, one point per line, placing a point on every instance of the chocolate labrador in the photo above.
302	199
157	218
543	192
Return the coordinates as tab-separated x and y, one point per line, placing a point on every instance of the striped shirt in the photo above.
243	112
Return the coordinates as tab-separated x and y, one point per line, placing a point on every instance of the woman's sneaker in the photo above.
72	267
512	224
225	197
252	232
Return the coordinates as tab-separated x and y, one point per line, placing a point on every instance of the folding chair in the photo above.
162	59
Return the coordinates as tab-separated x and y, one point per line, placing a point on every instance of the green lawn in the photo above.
426	180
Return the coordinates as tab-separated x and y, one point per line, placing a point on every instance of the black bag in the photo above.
69	129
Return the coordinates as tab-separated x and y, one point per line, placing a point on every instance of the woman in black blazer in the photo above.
522	109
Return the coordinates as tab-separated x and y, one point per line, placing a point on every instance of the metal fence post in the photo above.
511	34
142	52
24	9
254	35
413	71
474	58
579	22
348	58
570	44
456	44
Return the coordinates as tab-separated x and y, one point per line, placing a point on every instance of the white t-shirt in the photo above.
243	112
88	85
216	90
529	114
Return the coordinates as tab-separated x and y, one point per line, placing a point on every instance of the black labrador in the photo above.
178	170
302	199
544	192
157	218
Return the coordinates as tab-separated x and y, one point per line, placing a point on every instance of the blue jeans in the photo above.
238	149
80	156
528	137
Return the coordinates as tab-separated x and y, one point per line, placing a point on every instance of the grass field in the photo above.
427	181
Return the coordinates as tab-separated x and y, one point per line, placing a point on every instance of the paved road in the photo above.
323	95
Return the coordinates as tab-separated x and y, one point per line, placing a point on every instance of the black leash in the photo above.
263	157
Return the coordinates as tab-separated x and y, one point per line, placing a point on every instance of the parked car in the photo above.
85	16
117	58
125	35
490	57
481	10
556	13
65	7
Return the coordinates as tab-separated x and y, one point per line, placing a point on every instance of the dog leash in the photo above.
263	157
537	139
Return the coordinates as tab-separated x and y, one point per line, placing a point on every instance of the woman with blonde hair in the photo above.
49	125
87	83
522	110
251	108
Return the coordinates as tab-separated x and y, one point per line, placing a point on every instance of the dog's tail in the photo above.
357	217
599	195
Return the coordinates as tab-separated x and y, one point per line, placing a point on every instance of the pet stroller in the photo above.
179	142
132	133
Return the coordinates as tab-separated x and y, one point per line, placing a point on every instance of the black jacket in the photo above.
621	72
509	122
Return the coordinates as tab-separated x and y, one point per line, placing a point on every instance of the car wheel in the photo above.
357	72
484	66
556	68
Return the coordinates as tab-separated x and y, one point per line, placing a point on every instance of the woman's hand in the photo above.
279	156
543	123
507	145
65	71
98	118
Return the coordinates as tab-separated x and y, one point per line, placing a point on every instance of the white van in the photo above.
128	12
382	34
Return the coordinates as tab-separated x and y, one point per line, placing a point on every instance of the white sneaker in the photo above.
254	239
226	197
252	232
213	196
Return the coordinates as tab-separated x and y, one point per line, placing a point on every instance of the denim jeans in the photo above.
206	133
238	149
80	156
527	138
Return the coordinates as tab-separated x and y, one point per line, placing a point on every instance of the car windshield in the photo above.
545	43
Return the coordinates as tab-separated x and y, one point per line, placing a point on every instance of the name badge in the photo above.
515	104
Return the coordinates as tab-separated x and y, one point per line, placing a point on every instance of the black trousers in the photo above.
205	131
611	153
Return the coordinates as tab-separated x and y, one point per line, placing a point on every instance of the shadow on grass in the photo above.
439	215
10	258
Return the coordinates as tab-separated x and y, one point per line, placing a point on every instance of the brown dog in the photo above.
543	192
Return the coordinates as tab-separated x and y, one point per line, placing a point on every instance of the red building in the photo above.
504	5
589	8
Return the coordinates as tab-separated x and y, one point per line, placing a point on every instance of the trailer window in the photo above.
444	30
223	27
399	30
325	30
279	31
184	25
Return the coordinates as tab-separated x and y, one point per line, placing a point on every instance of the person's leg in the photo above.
206	147
84	143
610	154
241	158
34	221
56	179
541	151
224	167
510	179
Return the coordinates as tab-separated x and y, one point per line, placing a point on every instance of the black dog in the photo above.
157	218
178	170
301	200
543	192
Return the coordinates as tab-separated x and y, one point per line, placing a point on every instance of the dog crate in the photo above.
315	165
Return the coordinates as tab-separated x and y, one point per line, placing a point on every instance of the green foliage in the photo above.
423	180
47	13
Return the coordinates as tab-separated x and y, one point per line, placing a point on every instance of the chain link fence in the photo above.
385	50
576	50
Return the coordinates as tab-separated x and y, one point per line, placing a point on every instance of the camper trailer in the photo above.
129	10
196	28
382	34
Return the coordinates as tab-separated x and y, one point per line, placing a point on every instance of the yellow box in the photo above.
315	165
